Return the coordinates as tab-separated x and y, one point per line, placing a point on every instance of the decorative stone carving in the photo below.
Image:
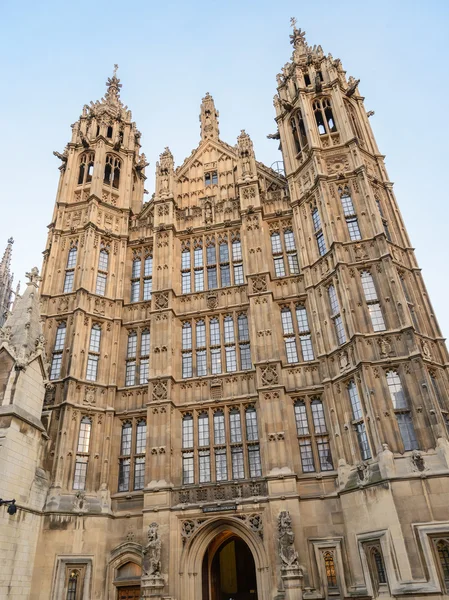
189	527
212	301
161	300
89	396
259	284
417	461
151	563
384	347
287	550
269	375
253	522
159	390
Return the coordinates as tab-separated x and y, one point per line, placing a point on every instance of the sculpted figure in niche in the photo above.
287	551
152	552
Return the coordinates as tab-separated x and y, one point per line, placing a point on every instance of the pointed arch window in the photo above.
324	117
82	454
313	444
318	229
298	132
354	121
72	586
132	455
112	171
94	353
102	273
70	270
86	168
135	280
336	315
282	250
357	420
350	214
375	312
402	410
442	548
58	349
329	568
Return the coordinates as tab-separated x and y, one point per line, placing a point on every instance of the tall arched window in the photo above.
86	168
329	566
135	280
58	349
112	171
298	132
94	353
442	547
402	410
323	116
379	566
70	270
102	273
354	121
82	454
201	361
72	585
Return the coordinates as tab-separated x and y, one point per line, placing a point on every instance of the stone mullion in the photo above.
106	449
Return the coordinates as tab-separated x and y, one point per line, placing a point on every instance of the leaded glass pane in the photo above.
186	336
219	427
84	435
235	426
252	433
396	390
238	470
255	466
324	454
203	430
302	425
187	432
319	421
221	468
291	350
132	345
139	473
214	332
125	446
307	461
204	460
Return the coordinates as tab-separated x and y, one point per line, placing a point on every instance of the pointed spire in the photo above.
6	278
209	119
23	328
5	265
113	84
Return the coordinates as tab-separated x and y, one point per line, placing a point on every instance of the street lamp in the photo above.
12	508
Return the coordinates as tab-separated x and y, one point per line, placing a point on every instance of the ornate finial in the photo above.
298	37
11	241
33	276
115	70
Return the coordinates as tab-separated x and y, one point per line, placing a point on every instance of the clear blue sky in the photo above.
56	57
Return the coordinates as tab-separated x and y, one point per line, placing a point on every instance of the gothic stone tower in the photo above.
6	279
248	391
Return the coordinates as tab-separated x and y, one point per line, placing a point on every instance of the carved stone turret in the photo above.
209	119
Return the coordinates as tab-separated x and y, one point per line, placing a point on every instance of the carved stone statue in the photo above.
152	553
287	550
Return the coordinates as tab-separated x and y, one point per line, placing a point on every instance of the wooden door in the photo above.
129	593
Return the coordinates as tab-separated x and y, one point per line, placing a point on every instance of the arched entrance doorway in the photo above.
228	569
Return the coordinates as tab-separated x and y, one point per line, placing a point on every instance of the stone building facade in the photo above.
247	394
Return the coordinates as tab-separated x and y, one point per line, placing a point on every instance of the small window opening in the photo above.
107	174
320	122
98	130
90	170
320	75
207	179
81	173
306	78
109	132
